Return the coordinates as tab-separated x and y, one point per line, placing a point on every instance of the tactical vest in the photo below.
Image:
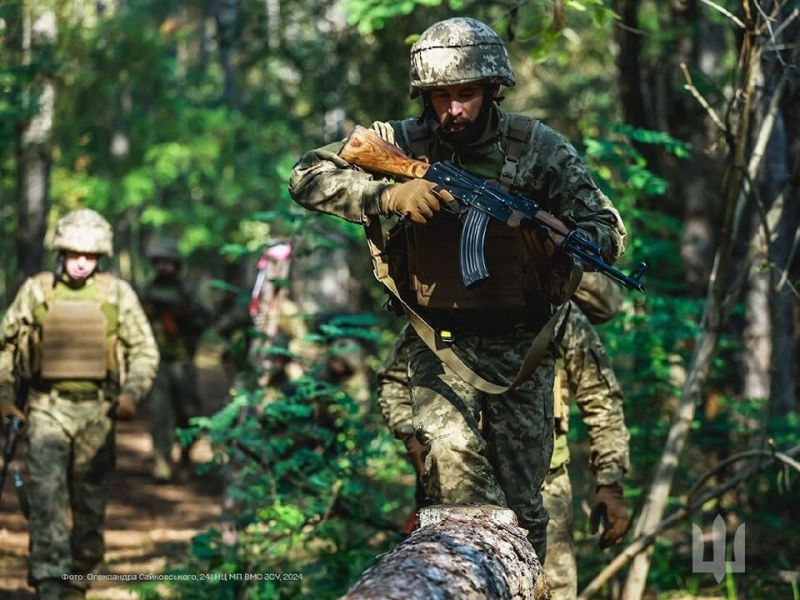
437	284
73	343
168	307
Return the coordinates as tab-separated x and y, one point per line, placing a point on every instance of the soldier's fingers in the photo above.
594	519
612	535
444	194
432	203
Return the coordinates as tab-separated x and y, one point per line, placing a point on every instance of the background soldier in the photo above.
457	68
178	320
584	371
81	340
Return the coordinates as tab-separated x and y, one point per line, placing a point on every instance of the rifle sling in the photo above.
533	357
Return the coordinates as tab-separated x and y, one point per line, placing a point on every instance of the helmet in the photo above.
456	51
84	230
164	248
348	350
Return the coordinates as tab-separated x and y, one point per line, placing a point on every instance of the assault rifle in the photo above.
13	426
478	201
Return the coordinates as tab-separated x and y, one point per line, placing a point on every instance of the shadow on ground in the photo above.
146	524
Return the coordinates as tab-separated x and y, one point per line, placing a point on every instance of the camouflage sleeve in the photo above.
323	182
394	396
136	335
599	398
556	169
18	315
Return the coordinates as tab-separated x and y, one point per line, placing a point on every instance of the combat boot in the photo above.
162	469
72	593
49	590
184	468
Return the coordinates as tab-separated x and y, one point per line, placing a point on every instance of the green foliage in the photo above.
212	169
312	491
370	16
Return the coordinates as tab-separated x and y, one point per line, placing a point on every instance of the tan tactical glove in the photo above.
610	506
416	199
542	244
8	410
123	408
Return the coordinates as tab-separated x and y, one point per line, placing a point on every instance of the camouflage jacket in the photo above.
549	171
133	332
591	381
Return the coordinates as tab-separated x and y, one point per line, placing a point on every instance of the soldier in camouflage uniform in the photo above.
457	69
80	339
178	320
584	372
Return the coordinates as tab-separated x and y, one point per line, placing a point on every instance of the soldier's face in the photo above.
79	265
165	267
457	106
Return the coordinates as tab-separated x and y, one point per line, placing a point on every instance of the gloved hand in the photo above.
8	410
416	199
123	408
610	506
542	244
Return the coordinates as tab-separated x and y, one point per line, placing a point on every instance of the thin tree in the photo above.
747	161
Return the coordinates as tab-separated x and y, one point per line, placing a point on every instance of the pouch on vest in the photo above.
435	275
397	259
27	359
74	341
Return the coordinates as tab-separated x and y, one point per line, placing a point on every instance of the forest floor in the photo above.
146	524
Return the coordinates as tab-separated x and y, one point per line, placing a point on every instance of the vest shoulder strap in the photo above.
46	281
104	282
517	135
416	135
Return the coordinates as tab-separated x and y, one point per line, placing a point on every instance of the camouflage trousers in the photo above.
501	459
559	566
394	400
172	401
70	459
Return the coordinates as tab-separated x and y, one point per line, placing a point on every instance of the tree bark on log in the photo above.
458	553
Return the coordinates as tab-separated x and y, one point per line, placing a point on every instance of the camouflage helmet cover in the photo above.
456	51
347	350
84	230
164	248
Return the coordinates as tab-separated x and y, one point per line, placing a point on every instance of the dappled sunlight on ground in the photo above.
146	523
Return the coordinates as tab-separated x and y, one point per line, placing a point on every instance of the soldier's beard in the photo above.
473	132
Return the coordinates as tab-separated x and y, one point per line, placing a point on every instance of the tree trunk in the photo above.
458	553
227	16
744	169
37	28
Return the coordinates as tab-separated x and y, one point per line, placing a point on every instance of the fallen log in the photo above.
458	553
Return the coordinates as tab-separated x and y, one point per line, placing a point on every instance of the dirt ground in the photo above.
146	523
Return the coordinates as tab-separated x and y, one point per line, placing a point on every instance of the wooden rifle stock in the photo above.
477	200
366	149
